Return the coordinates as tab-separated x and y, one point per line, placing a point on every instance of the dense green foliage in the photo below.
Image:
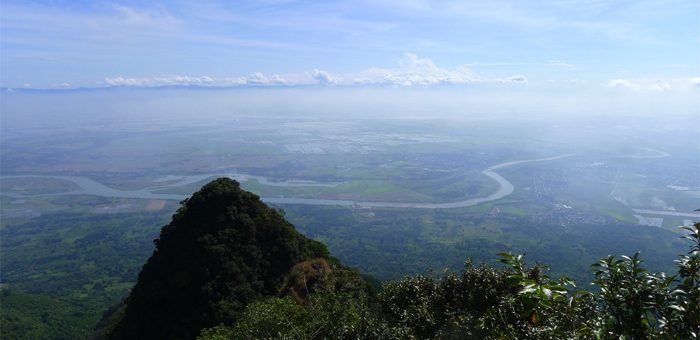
37	316
638	304
223	250
392	243
483	302
61	270
62	251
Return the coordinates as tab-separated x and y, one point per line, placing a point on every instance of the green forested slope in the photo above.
223	250
72	267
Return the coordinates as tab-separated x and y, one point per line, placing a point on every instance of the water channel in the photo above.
91	187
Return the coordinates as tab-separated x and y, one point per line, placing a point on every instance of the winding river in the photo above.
91	187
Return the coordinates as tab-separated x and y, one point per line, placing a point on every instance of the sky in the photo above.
637	46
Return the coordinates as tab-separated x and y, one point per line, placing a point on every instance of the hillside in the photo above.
223	250
229	267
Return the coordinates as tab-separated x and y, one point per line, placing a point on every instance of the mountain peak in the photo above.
223	249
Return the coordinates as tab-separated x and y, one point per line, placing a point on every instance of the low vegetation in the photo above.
515	301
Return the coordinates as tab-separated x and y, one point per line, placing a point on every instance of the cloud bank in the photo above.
410	70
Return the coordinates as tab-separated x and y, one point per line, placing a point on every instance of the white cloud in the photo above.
410	70
686	84
413	70
324	78
623	83
558	63
159	81
411	61
258	78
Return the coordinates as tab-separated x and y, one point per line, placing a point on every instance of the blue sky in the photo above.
636	45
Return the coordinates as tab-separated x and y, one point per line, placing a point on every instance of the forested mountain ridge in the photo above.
223	249
229	267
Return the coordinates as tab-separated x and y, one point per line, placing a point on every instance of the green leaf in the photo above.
506	255
676	307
